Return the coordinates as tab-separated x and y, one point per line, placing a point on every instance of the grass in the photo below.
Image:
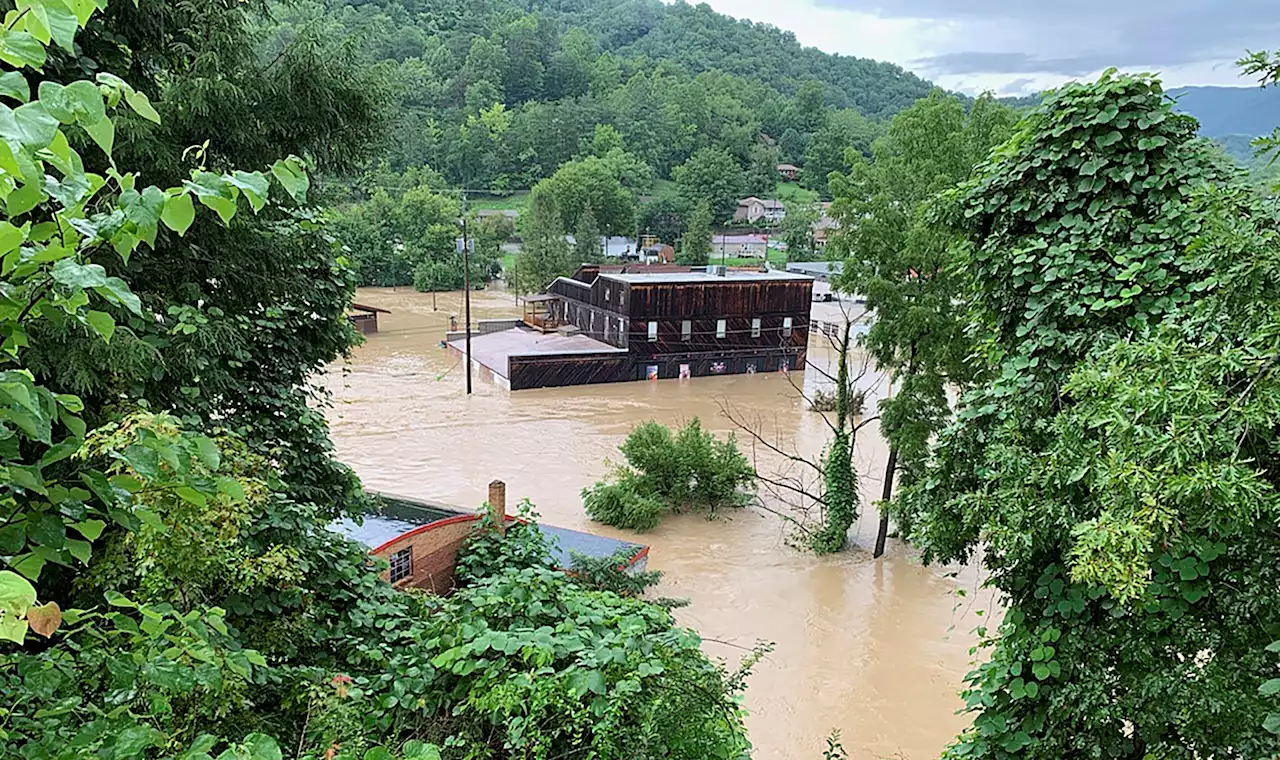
790	192
777	258
665	188
517	201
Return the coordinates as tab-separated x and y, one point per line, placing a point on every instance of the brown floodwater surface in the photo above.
875	648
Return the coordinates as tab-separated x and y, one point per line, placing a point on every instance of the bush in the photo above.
624	504
689	470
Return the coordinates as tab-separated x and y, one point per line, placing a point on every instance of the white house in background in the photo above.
740	247
753	209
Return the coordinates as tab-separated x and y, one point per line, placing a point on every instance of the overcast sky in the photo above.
1020	46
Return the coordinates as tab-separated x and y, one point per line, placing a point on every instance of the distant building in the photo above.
825	227
753	210
789	172
659	253
365	318
740	246
602	327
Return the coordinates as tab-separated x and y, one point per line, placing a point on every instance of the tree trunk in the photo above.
889	471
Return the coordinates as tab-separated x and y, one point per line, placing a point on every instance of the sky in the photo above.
1016	47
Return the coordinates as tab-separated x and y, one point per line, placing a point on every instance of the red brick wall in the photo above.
435	552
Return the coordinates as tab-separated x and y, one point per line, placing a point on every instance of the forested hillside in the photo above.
499	93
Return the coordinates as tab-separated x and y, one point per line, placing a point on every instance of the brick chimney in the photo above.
498	504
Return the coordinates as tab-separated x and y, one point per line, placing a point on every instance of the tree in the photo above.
829	151
664	217
840	482
712	176
1266	68
589	182
798	228
695	248
1114	464
546	254
587	237
903	263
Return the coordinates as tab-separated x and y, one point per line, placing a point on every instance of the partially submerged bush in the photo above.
689	470
624	504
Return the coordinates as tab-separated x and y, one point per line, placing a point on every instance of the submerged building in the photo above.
605	327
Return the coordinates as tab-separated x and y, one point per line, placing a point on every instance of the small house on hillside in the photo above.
789	172
753	210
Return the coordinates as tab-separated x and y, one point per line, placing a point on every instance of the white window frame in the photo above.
755	327
400	572
686	330
653	332
722	328
788	324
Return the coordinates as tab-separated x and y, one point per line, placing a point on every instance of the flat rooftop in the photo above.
706	277
494	349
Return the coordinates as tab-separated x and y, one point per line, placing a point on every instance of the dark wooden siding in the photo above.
736	350
753	298
602	294
559	370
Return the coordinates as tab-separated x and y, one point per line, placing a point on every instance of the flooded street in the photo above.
876	649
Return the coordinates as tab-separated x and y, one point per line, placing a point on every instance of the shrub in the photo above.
624	504
691	469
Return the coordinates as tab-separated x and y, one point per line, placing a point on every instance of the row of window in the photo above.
722	329
401	565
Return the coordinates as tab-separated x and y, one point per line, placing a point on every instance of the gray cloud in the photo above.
1076	37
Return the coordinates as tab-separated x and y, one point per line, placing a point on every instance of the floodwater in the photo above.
874	648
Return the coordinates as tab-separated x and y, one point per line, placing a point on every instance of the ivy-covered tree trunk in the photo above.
839	480
890	470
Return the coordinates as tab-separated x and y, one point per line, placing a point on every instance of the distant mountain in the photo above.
1224	111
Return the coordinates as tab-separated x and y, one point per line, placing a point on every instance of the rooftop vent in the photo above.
718	271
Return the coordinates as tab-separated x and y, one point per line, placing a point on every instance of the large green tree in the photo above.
712	176
903	263
589	183
1115	468
250	310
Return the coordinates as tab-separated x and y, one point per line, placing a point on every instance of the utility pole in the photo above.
466	284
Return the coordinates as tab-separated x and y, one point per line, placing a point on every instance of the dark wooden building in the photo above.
615	327
365	318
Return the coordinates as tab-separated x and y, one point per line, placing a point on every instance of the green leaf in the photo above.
76	275
29	565
1107	139
225	208
1272	723
28	478
192	496
208	452
132	741
12	628
47	529
140	103
179	213
255	187
19	49
1270	688
293	177
62	24
36	126
416	750
1274	647
16	593
117	291
102	323
22	200
10	237
14	85
261	747
81	550
90	529
103	132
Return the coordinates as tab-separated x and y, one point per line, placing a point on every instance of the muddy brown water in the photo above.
875	648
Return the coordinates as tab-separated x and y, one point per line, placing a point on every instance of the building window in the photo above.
755	327
686	331
401	565
653	332
722	328
786	327
608	294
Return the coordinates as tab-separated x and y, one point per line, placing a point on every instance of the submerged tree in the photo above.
902	261
1116	465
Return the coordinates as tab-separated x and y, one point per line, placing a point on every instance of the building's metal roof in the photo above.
816	267
396	516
